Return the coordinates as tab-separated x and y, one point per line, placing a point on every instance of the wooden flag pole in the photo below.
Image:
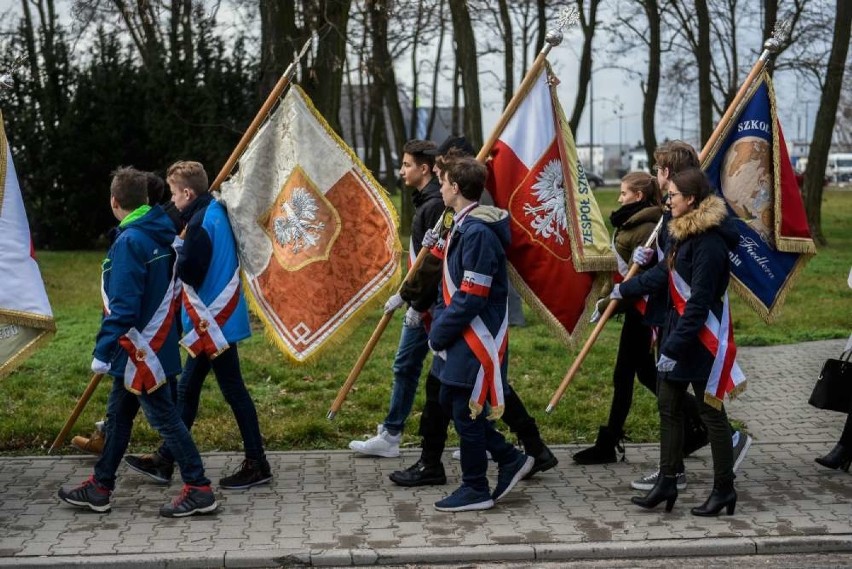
264	111
567	17
771	47
75	414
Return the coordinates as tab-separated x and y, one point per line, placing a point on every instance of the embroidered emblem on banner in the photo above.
301	224
549	212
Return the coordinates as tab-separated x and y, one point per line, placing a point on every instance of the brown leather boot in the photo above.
92	445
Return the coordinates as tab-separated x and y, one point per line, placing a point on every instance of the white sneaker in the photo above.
648	481
457	454
383	444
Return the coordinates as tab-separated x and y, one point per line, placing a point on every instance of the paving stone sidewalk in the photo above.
333	508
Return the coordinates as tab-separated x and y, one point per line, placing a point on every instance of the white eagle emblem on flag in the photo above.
549	212
297	227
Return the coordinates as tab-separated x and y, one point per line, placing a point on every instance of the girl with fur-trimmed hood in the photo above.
697	261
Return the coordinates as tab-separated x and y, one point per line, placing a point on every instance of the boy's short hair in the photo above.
156	188
468	173
188	174
676	155
129	187
418	150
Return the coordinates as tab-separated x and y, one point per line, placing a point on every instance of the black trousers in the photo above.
434	423
635	358
670	397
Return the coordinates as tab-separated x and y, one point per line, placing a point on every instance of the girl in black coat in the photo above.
697	252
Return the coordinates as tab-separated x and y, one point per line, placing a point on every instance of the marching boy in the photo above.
468	336
137	345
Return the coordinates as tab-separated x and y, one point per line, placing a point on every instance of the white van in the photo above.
839	167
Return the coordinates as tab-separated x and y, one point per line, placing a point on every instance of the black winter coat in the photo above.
699	242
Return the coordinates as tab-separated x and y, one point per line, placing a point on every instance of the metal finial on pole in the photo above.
6	79
780	36
567	17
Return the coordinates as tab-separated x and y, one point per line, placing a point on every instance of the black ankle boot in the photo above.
665	490
839	457
605	451
722	496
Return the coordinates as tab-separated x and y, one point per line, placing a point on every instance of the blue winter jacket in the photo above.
478	245
138	269
209	259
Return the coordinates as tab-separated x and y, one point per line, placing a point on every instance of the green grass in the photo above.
292	401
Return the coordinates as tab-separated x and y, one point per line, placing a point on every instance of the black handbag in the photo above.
833	389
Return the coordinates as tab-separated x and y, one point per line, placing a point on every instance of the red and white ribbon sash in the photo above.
488	349
144	371
206	335
718	338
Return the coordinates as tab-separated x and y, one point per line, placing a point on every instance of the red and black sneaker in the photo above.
90	494
191	500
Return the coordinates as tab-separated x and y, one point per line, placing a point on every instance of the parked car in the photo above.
594	180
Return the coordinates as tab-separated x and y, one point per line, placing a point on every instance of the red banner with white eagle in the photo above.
560	258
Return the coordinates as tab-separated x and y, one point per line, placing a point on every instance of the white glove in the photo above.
666	363
643	255
600	306
99	367
393	303
412	318
616	292
439	354
430	238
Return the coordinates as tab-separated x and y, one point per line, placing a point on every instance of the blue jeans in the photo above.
163	416
475	437
226	368
407	366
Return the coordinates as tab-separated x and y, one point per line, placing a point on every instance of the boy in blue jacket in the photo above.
214	318
469	337
137	345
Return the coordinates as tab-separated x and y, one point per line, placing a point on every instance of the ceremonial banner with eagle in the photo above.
559	257
26	320
751	170
317	235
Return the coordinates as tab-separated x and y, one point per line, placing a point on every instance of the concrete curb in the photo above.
646	549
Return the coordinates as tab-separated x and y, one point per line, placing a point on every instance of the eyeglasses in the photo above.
670	195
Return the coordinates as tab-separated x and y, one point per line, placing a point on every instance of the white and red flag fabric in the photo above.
316	233
559	258
26	320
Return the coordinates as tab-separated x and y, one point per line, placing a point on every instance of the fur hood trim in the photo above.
709	214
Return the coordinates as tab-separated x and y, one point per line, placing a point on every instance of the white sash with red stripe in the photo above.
641	304
488	349
144	371
726	377
206	335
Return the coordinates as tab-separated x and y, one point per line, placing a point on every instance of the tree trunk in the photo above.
703	59
826	115
436	72
469	68
324	81
508	53
279	39
770	16
652	87
585	73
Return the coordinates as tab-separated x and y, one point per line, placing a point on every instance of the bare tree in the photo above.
824	127
466	58
588	22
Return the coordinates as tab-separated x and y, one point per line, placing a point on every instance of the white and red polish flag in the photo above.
26	320
560	259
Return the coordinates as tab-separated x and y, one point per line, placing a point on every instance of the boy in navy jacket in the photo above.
137	345
469	337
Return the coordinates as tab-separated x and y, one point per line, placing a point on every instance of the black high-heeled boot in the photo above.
608	446
722	496
665	490
839	457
